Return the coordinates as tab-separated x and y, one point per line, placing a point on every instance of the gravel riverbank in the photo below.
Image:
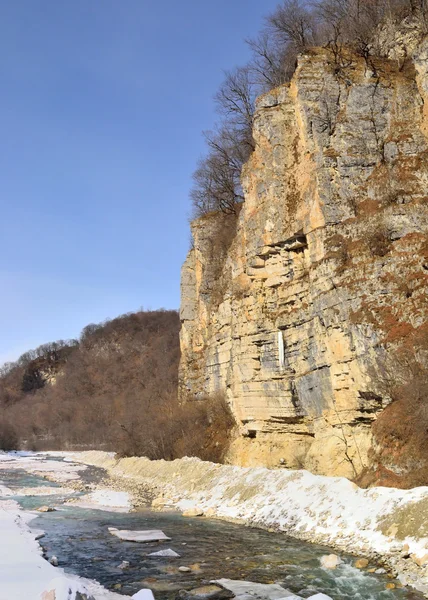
387	525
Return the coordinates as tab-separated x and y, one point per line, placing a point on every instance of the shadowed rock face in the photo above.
326	273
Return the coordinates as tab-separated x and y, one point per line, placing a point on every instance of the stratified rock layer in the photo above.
327	270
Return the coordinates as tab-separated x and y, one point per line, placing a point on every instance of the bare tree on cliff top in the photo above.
217	178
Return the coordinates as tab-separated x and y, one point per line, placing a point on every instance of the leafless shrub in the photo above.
401	430
217	185
8	436
272	63
379	243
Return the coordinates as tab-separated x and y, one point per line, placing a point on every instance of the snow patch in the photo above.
105	499
144	595
24	573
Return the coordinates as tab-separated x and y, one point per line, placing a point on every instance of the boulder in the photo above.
46	509
206	592
419	560
193	512
361	563
330	561
158	502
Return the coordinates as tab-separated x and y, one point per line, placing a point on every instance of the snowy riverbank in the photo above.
387	524
24	573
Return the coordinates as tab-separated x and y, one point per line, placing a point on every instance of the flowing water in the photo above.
213	549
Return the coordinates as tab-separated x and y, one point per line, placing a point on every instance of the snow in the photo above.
106	499
144	595
59	471
147	535
66	589
43	491
24	573
329	510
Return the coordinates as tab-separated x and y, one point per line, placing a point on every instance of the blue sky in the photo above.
102	107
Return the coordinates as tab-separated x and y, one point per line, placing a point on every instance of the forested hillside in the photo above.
114	388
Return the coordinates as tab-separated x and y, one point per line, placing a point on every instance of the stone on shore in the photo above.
361	563
46	509
193	512
420	560
147	535
158	502
206	592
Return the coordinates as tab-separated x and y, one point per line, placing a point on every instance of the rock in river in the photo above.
205	592
330	561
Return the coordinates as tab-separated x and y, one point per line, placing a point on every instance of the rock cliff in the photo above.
291	309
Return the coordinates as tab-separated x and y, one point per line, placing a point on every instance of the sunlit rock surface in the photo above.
327	271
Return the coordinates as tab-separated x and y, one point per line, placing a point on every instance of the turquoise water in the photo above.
213	549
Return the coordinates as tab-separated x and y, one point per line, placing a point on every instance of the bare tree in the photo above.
273	62
293	22
235	101
217	185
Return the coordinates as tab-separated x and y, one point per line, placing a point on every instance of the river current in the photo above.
212	549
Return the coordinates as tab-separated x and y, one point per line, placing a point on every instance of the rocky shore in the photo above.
385	525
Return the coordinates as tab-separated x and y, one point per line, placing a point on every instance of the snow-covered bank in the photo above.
383	522
24	573
39	464
105	499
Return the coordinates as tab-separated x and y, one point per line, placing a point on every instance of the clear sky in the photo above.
102	107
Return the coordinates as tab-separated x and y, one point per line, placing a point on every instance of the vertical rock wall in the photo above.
289	310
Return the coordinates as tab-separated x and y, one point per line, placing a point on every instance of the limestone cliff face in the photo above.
326	270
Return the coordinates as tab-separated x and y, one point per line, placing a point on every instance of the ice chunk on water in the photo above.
168	553
147	535
265	591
